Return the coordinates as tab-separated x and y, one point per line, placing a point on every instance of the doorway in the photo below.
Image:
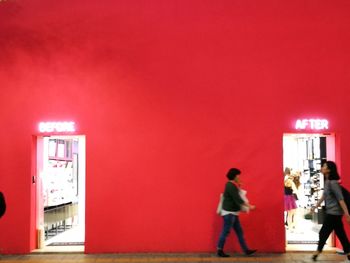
61	193
303	156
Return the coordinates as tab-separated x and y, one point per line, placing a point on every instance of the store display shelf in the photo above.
55	217
61	159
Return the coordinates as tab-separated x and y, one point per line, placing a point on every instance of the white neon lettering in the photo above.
305	123
325	124
298	125
318	125
312	124
57	126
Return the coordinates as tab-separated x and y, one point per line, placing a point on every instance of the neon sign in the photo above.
312	124
57	126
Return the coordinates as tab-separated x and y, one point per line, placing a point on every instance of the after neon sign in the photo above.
312	124
66	126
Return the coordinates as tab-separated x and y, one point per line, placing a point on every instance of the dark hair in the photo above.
232	173
333	174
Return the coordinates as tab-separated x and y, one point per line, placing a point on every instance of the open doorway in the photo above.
61	193
303	156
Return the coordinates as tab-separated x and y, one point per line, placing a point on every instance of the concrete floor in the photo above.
290	257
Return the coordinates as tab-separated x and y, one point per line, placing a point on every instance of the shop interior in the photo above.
303	156
61	192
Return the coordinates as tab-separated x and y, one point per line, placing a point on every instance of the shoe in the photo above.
221	253
250	252
314	257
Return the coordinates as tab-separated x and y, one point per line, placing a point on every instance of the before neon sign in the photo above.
66	126
312	124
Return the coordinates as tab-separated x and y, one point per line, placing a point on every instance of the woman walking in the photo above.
230	210
335	209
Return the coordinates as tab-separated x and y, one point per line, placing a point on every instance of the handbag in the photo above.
219	208
243	195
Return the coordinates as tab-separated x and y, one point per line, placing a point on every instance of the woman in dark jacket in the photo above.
2	204
230	210
335	209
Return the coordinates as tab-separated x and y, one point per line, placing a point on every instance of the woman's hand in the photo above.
318	204
252	207
345	209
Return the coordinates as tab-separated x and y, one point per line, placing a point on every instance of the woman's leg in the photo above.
326	230
285	218
239	232
228	221
340	232
290	218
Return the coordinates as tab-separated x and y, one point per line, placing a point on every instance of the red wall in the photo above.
170	94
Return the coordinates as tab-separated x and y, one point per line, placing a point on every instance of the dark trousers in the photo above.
330	223
232	221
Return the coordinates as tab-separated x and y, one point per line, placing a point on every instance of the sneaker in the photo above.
250	252
221	253
314	257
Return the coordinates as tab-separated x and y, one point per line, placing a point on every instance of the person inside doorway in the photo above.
297	193
289	198
335	209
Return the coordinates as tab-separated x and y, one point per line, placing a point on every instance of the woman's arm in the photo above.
294	188
336	190
318	203
246	206
345	209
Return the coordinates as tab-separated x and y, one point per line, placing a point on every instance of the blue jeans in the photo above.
232	221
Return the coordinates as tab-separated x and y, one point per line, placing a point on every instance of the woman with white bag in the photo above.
233	201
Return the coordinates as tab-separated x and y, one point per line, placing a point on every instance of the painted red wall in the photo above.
170	94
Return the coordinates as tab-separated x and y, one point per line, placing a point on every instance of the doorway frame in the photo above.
337	159
34	213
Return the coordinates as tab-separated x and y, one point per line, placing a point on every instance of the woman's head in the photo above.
233	173
330	171
287	171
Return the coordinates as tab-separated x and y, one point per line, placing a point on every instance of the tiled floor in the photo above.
75	234
168	258
306	231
